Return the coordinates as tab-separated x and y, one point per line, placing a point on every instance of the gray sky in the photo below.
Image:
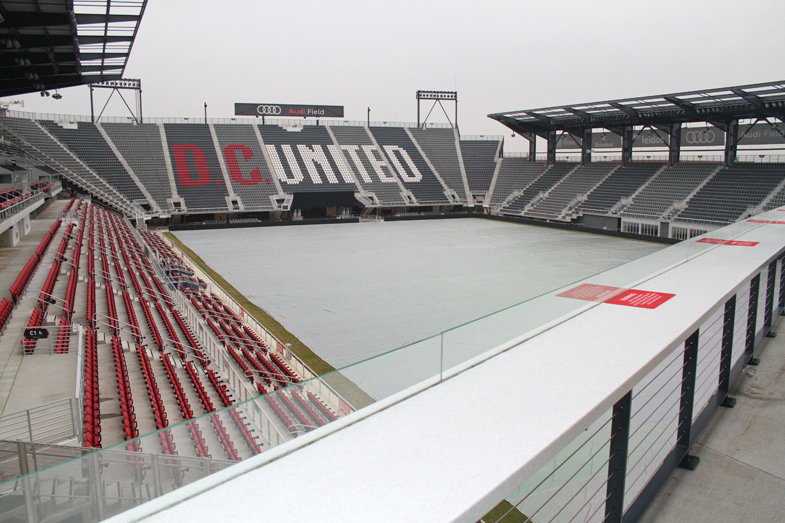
498	55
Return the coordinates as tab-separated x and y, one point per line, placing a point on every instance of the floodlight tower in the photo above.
116	86
437	97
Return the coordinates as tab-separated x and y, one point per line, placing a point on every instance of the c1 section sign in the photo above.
289	111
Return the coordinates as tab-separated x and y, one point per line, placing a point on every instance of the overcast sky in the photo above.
498	55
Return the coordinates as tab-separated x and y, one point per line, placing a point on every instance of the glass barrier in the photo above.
120	476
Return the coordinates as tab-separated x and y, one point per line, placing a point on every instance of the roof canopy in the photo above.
716	106
49	44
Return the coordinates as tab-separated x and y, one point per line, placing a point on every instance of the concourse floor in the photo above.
741	475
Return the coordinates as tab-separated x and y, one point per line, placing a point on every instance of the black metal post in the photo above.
731	142
532	146
768	312
626	145
781	300
92	110
617	465
552	139
726	356
752	315
586	145
684	433
674	147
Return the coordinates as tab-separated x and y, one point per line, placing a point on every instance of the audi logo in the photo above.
704	136
268	109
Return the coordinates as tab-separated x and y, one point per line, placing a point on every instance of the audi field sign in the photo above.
289	111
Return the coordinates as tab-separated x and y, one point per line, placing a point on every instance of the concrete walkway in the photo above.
741	476
35	380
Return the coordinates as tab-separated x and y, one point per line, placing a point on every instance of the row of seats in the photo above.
245	432
220	430
63	336
21	281
9	202
6	308
130	427
36	318
91	399
73	278
159	411
45	295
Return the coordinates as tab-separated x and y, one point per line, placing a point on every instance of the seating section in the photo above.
251	178
670	186
545	181
21	281
410	166
368	166
89	145
572	187
778	200
41	146
6	308
621	184
515	174
439	147
142	149
479	160
197	174
732	192
306	160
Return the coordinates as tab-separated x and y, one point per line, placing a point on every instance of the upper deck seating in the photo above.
41	146
672	185
547	179
251	177
197	174
576	184
479	161
141	147
439	146
89	145
307	160
368	166
515	174
619	185
406	160
732	191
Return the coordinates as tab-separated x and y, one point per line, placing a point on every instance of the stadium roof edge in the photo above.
53	44
718	106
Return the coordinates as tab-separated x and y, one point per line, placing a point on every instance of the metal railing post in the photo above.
726	357
781	299
752	319
156	476
617	464
96	494
687	401
768	312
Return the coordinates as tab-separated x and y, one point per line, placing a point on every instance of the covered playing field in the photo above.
350	291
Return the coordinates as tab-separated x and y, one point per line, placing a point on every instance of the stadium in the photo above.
289	314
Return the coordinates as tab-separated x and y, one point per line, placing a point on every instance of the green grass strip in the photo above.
350	391
498	512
